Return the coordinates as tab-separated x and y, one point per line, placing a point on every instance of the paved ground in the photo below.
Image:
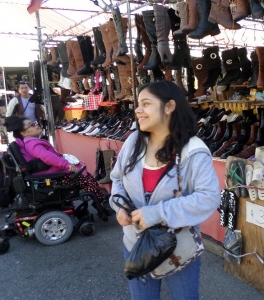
90	268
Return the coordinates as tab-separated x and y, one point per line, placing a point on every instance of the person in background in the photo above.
145	172
20	106
9	98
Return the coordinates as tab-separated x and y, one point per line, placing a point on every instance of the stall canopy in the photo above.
62	20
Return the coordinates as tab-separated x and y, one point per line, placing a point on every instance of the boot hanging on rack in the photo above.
190	83
149	21
256	9
220	13
72	64
174	20
201	73
213	64
62	50
241	10
232	66
105	95
245	65
192	17
116	79
111	85
255	70
162	23
260	54
157	75
54	57
77	54
181	56
97	87
138	42
142	77
125	77
204	27
182	12
98	39
178	80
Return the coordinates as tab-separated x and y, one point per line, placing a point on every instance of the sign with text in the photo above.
255	214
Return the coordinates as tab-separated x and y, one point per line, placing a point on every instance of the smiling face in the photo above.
31	129
151	115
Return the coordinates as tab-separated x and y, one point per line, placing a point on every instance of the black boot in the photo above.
213	64
257	11
157	75
255	70
231	65
103	84
174	20
149	21
87	54
98	39
245	65
228	133
204	26
260	134
122	46
138	41
116	79
62	51
181	57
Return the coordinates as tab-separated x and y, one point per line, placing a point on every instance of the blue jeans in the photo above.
183	285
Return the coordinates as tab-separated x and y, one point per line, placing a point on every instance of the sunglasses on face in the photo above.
33	124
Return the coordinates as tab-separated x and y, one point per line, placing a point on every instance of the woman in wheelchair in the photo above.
27	135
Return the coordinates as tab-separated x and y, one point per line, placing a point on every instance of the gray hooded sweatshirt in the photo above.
199	184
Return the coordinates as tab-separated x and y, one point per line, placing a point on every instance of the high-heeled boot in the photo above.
182	9
260	54
98	39
192	17
138	42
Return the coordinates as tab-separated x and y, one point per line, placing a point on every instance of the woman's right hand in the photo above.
123	218
72	168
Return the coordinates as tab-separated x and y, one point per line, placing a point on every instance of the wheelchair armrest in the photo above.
46	176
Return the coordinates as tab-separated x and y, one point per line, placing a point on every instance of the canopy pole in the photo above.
45	85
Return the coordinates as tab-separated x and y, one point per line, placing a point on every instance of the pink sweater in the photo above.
32	148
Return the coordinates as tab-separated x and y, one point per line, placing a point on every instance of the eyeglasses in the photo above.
22	82
33	124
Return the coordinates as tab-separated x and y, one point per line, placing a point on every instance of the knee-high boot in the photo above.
62	50
98	39
201	73
72	64
138	41
125	76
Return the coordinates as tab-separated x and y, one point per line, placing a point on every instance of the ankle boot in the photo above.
221	128
182	9
138	42
174	20
87	51
204	27
178	80
241	10
232	67
72	64
257	11
146	42
192	17
227	135
260	54
121	30
201	73
62	50
220	13
255	70
162	23
253	134
149	21
98	39
97	86
245	65
125	77
181	56
213	64
77	54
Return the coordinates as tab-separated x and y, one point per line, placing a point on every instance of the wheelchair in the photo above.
40	206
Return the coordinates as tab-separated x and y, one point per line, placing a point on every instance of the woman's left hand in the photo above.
138	219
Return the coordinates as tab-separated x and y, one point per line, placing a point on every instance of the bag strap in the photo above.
127	202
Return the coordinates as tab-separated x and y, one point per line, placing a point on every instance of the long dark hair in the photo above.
182	125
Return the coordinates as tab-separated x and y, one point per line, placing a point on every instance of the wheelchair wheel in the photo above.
86	229
53	228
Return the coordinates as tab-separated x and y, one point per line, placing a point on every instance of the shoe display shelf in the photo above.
250	220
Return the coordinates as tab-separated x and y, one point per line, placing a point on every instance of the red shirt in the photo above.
151	177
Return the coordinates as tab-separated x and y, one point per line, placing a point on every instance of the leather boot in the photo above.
255	70
221	128
245	65
162	23
121	30
98	39
232	67
201	73
72	64
146	42
220	13
190	83
181	56
241	10
77	54
182	9
104	84
125	77
253	134
214	146
260	54
138	42
110	87
54	56
213	64
62	50
116	79
174	20
257	11
204	27
192	18
149	21
178	80
107	43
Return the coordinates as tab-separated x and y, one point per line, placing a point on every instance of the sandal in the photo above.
253	194
233	175
242	175
258	178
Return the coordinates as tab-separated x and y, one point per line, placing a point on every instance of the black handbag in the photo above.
154	245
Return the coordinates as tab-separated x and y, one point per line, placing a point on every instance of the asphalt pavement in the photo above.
91	268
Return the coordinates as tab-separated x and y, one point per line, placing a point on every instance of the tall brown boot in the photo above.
125	76
192	17
221	127
220	13
77	54
146	42
72	69
260	54
54	57
201	73
107	43
253	134
241	10
183	14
